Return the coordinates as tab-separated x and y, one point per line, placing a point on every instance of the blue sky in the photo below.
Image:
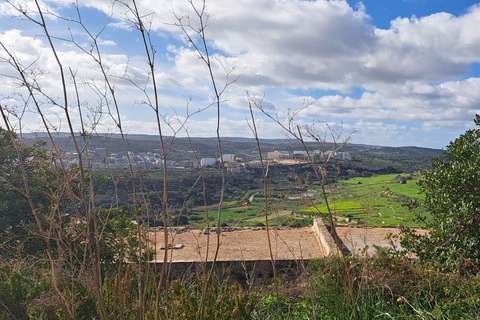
382	12
393	72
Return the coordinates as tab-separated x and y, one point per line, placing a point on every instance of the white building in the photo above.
208	162
228	157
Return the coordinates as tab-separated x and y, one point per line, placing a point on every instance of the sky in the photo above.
392	73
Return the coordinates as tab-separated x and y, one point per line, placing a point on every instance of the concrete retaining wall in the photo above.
325	238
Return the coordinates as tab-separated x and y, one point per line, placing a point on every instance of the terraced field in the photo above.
384	200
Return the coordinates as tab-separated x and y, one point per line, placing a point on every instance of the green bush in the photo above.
222	301
391	288
452	196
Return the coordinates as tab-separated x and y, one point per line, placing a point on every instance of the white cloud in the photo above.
415	71
322	44
102	42
18	8
412	101
380	133
329	45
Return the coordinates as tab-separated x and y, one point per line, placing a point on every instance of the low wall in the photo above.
325	238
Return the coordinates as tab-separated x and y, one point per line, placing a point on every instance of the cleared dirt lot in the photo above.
364	240
247	244
252	244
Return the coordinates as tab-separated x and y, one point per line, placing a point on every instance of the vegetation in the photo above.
74	241
384	288
452	197
14	206
383	200
378	200
391	288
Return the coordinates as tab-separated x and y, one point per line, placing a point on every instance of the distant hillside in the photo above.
364	157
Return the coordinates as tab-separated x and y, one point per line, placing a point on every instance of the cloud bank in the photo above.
418	80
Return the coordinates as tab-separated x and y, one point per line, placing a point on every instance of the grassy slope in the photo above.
376	201
243	214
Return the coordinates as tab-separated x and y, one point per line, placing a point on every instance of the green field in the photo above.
375	201
252	213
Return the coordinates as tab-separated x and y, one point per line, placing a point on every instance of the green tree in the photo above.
452	196
10	200
15	213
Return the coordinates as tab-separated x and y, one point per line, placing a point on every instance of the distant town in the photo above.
101	159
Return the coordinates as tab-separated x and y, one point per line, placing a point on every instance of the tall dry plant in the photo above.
74	248
194	30
329	141
81	264
81	198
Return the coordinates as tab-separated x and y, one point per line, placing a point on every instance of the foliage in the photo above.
16	288
17	224
283	307
292	221
26	292
224	301
392	288
120	244
95	262
380	200
452	196
121	294
384	287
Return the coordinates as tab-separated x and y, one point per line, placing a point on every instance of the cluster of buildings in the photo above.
101	159
317	155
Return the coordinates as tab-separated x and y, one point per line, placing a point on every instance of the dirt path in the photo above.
277	214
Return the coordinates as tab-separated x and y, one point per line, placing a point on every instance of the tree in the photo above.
16	219
452	196
11	202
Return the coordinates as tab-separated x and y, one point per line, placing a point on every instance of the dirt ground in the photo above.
252	244
246	244
363	240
